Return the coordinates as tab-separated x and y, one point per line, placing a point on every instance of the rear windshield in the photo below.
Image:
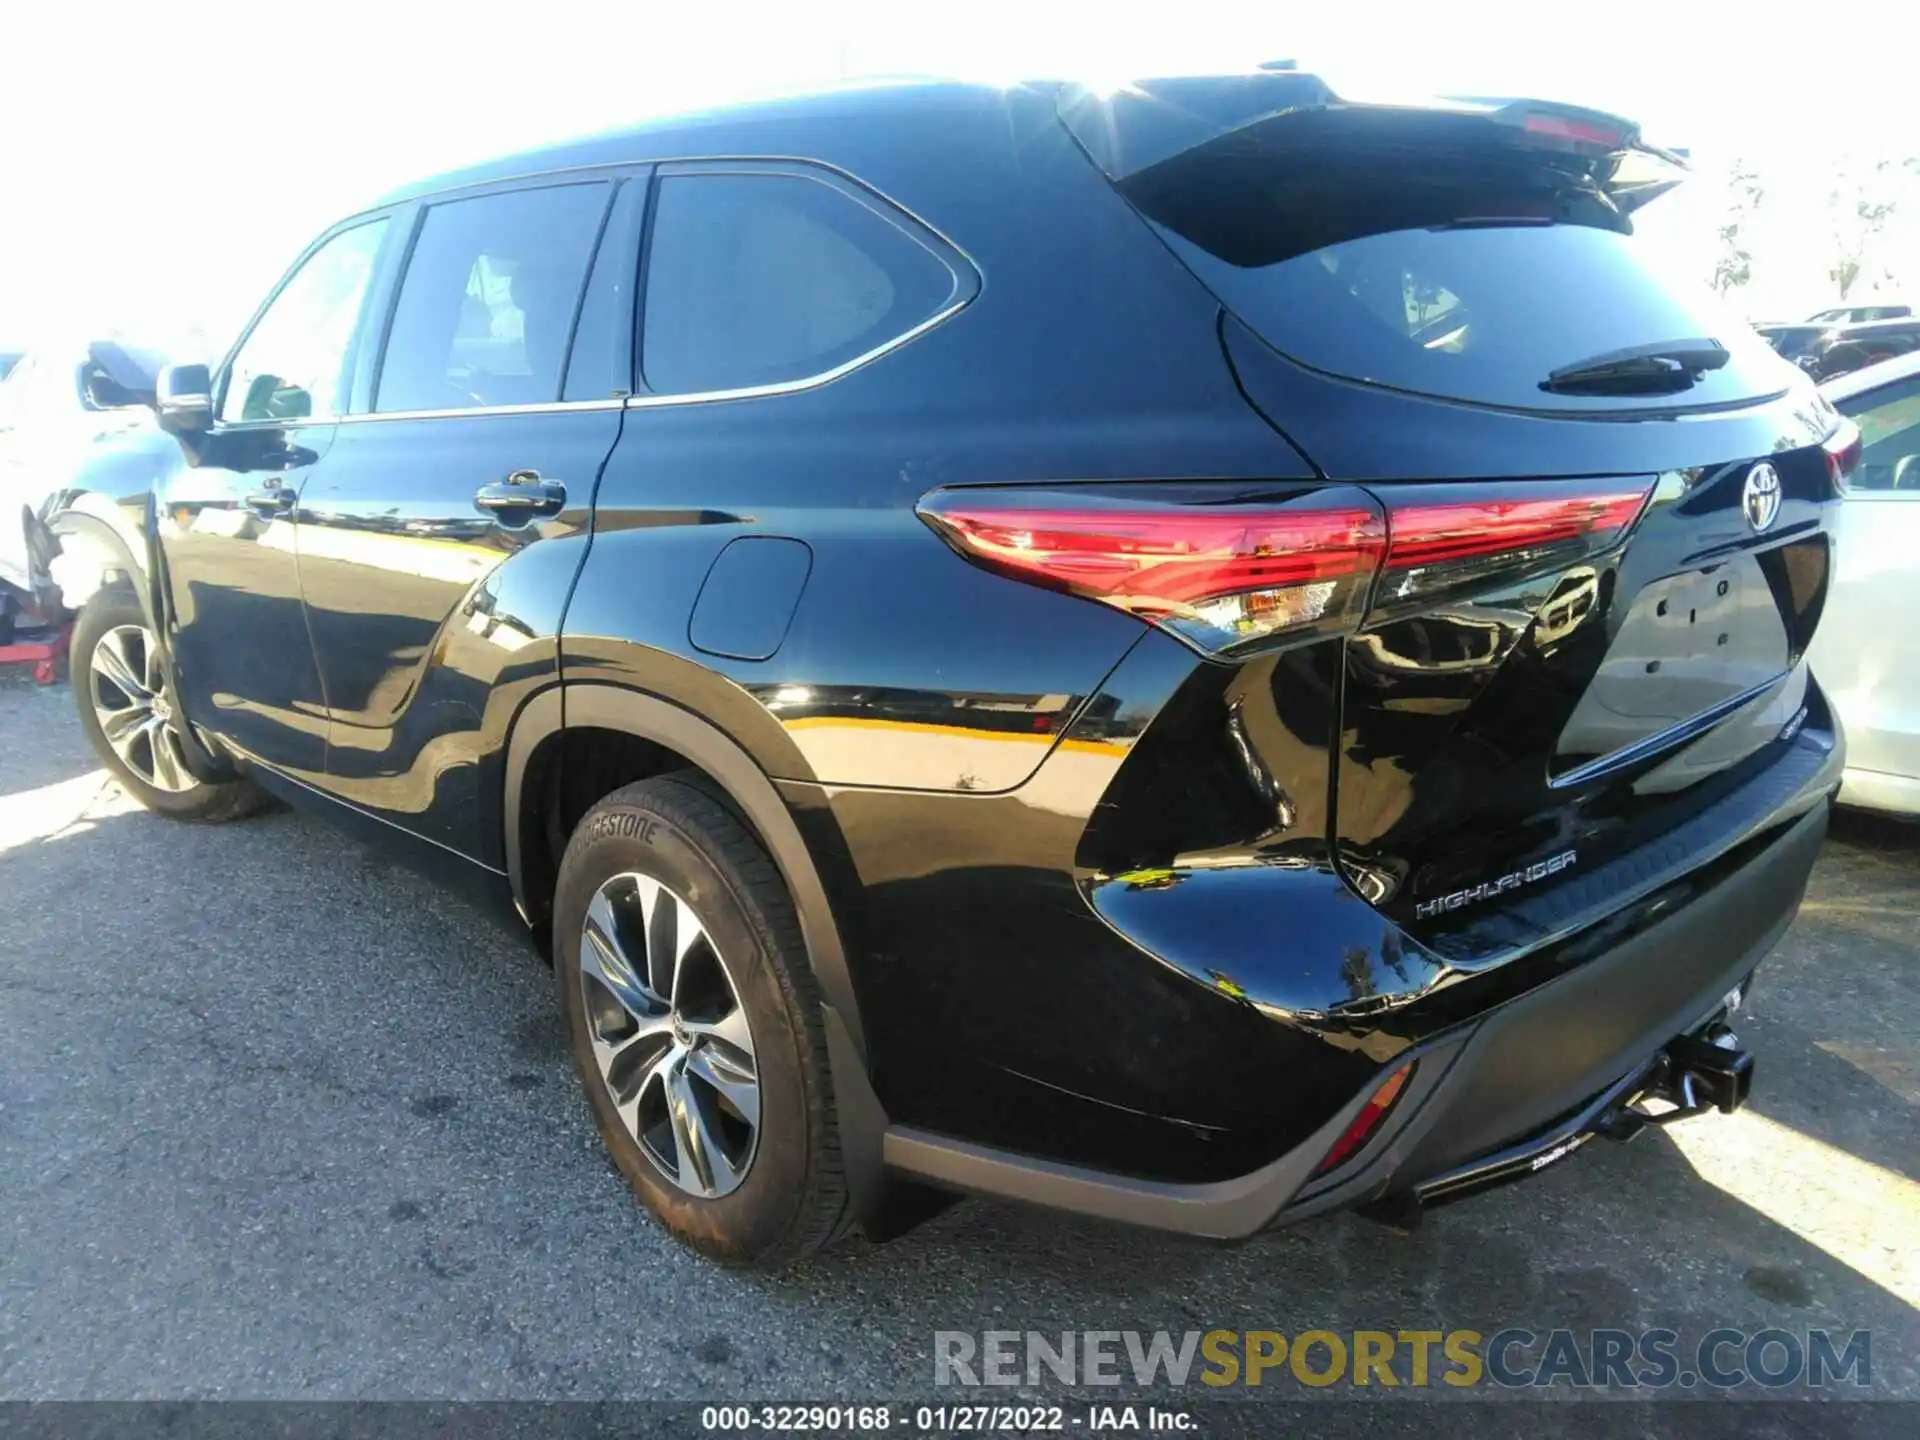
1436	256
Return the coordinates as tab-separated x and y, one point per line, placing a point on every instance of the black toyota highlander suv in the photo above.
1196	655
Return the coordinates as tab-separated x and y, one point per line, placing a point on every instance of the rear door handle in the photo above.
270	502
520	497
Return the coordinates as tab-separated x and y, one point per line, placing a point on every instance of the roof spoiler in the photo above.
1136	126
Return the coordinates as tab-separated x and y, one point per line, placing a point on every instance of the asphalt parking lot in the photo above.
278	1119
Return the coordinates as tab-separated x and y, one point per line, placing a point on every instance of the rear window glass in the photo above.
1470	271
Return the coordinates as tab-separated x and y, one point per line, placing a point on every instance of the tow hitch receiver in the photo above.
1694	1074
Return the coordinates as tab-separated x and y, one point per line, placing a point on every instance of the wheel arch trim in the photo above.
107	535
580	705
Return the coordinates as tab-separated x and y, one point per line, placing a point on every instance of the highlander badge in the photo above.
1491	888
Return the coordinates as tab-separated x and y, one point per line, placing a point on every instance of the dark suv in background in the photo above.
1158	654
1847	348
1856	314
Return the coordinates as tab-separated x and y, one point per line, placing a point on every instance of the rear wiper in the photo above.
1656	369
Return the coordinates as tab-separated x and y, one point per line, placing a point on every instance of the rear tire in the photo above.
695	1022
114	664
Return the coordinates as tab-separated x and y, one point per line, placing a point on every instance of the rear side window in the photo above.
1423	257
763	278
487	307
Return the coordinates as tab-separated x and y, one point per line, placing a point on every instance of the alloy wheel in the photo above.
669	1034
129	700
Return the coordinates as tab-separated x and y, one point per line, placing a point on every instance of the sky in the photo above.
161	163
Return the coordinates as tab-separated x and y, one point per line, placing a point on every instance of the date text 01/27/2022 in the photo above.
944	1419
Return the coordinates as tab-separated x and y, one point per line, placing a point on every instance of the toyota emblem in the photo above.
1760	501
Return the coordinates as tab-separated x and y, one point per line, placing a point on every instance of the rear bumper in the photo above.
1519	1082
1533	1078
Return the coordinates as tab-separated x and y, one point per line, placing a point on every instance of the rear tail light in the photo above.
1842	449
1444	536
1378	1105
1227	572
1231	570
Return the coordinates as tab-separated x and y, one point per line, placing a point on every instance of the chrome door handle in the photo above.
520	497
270	502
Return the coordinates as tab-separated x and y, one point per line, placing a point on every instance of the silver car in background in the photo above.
1867	650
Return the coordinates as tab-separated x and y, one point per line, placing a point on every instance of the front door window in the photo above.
293	364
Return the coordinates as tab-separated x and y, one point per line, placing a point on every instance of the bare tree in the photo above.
1860	206
1733	265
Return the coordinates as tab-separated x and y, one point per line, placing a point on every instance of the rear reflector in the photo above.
1842	450
1368	1120
1224	568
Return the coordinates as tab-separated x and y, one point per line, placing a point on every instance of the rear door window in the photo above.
1423	257
600	364
488	305
764	278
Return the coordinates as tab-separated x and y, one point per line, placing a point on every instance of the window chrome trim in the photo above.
969	282
968	279
807	382
298	422
539	407
723	162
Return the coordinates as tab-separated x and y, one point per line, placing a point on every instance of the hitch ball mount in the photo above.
1694	1074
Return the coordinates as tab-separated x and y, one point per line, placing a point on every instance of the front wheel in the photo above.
118	690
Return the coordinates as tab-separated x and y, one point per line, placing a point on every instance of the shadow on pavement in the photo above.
360	1164
1892	835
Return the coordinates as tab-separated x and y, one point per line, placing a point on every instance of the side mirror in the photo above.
183	399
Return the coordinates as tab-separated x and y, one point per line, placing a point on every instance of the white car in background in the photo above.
56	406
1867	649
